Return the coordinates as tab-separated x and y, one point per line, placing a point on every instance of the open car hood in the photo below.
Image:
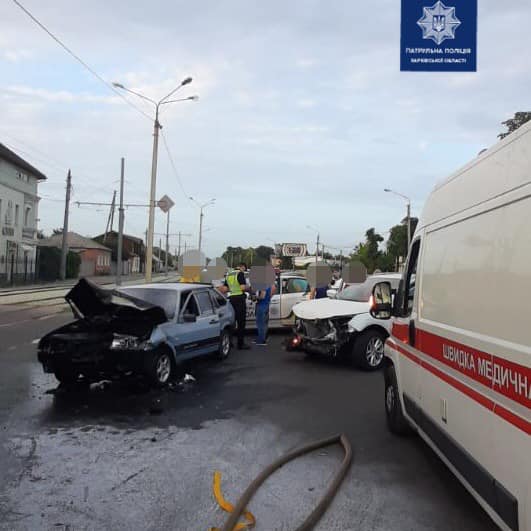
88	300
328	308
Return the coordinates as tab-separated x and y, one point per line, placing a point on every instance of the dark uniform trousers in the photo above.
238	303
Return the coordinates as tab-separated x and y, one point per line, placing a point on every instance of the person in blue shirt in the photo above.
263	299
318	293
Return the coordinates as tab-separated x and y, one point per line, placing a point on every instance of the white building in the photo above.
18	216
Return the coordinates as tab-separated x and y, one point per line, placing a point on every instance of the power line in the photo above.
79	60
177	176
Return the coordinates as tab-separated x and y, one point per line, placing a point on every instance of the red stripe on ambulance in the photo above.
502	412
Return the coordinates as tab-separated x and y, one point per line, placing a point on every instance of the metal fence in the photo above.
16	271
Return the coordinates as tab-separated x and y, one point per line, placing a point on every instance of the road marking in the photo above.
35	341
14	323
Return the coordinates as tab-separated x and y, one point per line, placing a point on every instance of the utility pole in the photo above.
167	242
152	193
317	249
113	207
120	228
110	219
156	128
200	231
64	246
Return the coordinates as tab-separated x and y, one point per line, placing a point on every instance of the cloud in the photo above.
15	56
306	103
60	96
306	63
292	97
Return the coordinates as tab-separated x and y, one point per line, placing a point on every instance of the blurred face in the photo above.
242	268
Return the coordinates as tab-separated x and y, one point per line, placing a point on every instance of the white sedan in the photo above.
291	289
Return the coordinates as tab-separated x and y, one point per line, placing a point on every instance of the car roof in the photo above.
392	276
175	286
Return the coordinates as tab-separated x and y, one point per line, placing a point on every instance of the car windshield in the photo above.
165	298
359	292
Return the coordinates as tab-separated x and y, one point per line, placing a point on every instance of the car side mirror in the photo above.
381	301
189	317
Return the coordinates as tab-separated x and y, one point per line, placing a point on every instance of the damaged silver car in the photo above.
343	326
145	330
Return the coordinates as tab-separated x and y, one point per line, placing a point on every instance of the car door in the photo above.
222	309
296	290
274	305
208	322
192	335
404	328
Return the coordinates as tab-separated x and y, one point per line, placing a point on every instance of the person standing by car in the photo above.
263	300
237	286
318	292
336	282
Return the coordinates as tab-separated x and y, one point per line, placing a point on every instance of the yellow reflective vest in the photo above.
234	285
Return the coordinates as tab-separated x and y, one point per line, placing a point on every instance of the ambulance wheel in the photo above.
396	421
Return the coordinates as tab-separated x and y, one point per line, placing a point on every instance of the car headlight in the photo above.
123	342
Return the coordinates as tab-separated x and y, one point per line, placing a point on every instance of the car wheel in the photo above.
159	368
369	350
396	421
224	344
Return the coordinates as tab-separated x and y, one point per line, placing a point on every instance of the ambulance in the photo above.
458	360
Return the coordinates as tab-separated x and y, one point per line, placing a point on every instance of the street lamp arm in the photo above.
119	85
181	84
190	98
398	194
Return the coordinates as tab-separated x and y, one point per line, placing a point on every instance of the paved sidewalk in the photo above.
100	279
53	295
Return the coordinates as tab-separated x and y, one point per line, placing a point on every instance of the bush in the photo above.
50	263
73	263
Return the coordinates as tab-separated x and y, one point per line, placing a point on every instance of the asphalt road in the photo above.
125	458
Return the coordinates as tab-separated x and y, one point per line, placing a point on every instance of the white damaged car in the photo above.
343	326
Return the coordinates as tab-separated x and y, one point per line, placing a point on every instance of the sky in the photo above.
303	116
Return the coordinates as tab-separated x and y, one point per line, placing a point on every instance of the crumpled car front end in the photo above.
323	336
324	326
109	336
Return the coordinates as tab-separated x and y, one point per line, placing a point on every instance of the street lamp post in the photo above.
201	215
317	242
153	187
408	212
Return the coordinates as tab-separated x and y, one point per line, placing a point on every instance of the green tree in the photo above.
512	124
397	245
264	252
368	252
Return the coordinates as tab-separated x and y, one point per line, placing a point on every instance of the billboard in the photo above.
294	249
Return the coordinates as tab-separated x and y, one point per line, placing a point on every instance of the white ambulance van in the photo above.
458	361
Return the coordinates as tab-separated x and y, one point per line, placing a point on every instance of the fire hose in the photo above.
322	506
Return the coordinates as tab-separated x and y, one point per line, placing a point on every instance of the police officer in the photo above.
236	284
